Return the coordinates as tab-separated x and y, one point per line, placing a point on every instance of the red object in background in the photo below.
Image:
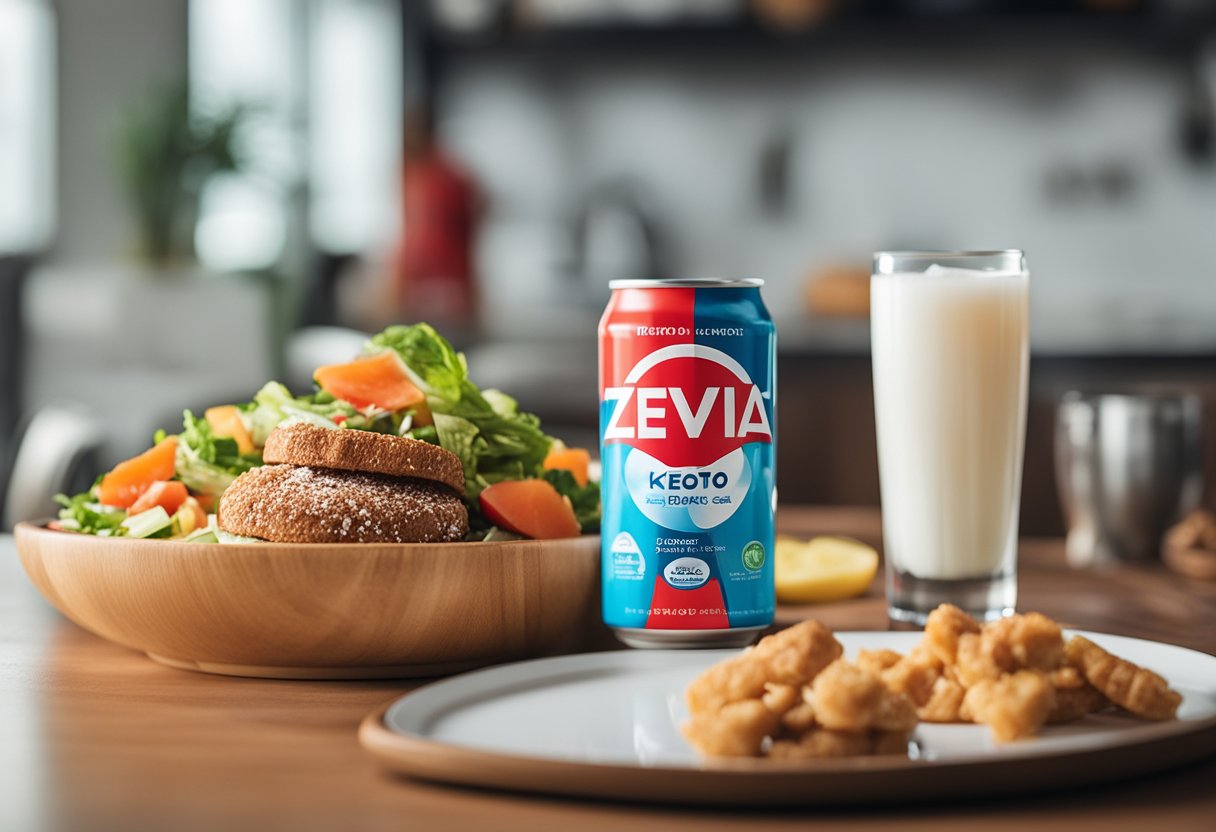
435	279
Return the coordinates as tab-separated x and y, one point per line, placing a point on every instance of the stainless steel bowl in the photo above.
1127	466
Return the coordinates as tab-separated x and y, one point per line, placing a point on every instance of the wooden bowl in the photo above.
320	611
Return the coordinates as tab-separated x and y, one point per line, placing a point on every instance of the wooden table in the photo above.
95	737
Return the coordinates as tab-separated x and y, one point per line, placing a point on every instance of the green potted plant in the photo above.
165	154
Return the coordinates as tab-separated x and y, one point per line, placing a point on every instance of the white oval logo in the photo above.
686	573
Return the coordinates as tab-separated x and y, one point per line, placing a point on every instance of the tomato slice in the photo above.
532	508
168	495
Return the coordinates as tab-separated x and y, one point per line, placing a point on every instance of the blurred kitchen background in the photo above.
199	195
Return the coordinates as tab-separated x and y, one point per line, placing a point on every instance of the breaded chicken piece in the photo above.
1134	688
896	712
943	628
822	743
847	698
1075	697
798	719
1019	642
1076	702
944	702
975	662
914	676
819	743
1066	677
876	661
791	657
781	698
1013	706
738	729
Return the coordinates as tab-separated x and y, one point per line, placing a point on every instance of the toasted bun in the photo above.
361	450
290	504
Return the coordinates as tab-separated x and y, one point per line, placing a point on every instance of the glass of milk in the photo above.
950	343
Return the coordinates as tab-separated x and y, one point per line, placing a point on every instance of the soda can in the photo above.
687	440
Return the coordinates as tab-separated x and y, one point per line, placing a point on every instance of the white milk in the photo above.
950	364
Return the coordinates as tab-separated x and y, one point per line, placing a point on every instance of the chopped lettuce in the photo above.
155	522
82	513
203	535
496	535
207	463
493	438
585	499
227	538
274	405
434	366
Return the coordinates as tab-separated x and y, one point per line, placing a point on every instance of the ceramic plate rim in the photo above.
430	759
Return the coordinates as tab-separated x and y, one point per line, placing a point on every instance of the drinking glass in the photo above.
950	344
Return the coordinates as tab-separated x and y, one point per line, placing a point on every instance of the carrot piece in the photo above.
574	460
532	508
379	380
123	485
169	495
226	422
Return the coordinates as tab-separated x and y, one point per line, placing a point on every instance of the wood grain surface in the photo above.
97	737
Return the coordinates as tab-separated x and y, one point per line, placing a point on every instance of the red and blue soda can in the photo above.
687	438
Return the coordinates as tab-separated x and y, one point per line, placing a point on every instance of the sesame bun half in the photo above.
304	504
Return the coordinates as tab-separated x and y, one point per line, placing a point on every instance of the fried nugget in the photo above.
825	742
738	729
1076	702
944	702
975	662
914	676
943	628
876	661
795	655
791	657
822	743
895	712
1066	677
848	698
1013	706
1018	642
781	698
1134	688
798	719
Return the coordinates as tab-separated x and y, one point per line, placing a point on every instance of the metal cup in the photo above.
1127	466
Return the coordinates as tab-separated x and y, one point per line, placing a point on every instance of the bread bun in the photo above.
302	504
361	450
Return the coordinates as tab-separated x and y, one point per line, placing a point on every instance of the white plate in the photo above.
607	725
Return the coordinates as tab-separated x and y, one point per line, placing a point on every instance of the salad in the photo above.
409	382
